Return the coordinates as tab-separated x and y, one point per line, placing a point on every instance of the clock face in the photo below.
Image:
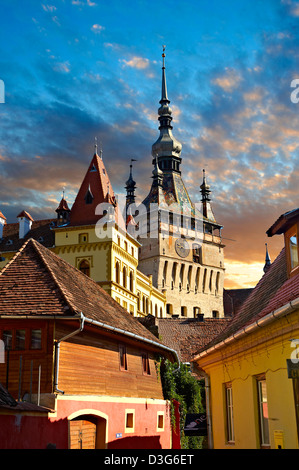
182	247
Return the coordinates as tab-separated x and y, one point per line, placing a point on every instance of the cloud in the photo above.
136	62
97	28
49	8
63	67
229	81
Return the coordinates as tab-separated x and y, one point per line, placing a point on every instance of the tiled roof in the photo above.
40	230
97	183
25	214
233	300
38	282
187	335
273	291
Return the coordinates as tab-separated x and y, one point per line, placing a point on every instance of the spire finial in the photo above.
163	56
96	145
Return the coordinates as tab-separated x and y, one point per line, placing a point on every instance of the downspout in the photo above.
201	373
57	351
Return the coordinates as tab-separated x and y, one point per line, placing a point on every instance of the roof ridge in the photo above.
15	256
37	246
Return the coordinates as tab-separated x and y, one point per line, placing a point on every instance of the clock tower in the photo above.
181	244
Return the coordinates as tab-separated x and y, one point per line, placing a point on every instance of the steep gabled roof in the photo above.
37	282
95	189
273	291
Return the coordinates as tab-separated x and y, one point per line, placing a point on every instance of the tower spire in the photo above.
167	147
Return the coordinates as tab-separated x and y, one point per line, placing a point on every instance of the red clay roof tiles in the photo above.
272	291
37	281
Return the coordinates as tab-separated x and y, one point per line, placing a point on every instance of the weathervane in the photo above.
163	55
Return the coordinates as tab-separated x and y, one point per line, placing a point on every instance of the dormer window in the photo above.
291	242
88	196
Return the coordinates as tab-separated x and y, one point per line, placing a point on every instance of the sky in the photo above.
74	70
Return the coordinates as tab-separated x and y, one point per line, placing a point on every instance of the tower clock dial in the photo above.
182	247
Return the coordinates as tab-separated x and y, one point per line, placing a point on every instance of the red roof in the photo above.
96	183
273	291
25	214
2	216
41	230
63	206
38	282
186	335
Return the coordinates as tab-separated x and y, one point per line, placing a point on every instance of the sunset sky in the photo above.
78	69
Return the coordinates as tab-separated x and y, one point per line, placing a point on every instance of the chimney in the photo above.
2	223
25	222
200	316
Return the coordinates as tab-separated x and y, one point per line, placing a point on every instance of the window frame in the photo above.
145	362
260	380
229	414
123	357
292	231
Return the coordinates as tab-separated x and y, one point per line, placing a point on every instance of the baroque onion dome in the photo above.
167	147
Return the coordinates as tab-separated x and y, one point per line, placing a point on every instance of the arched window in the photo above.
124	276
131	281
117	272
84	267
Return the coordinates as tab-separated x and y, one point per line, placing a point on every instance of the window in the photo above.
36	339
294	251
125	277
84	267
83	237
263	412
123	357
183	311
7	339
230	433
129	420
20	339
117	272
145	364
160	421
131	281
88	196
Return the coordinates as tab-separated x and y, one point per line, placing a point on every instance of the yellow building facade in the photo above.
252	368
92	236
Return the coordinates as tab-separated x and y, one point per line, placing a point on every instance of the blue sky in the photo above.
76	70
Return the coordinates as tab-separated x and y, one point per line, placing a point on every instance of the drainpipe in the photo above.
57	351
201	373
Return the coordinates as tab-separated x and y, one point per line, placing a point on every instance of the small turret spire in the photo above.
130	186
267	260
